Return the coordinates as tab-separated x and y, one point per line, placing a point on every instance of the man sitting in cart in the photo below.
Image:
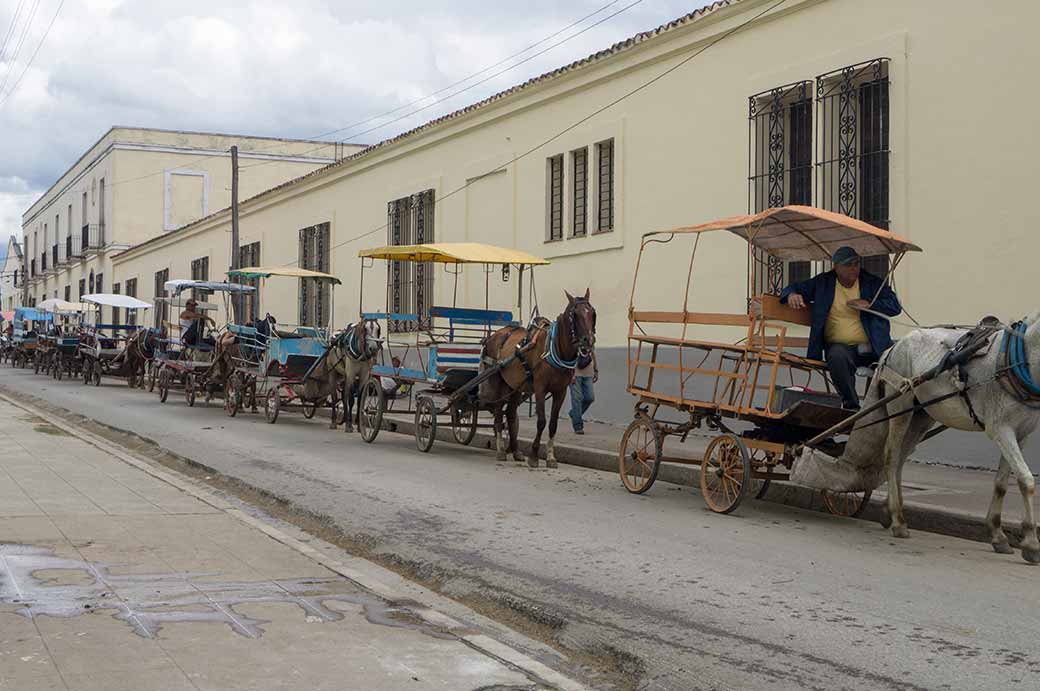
193	325
848	336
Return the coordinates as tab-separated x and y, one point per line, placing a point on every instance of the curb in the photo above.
364	573
923	517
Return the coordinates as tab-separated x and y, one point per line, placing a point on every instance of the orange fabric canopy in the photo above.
804	233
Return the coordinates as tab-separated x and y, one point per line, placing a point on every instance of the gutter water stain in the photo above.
40	583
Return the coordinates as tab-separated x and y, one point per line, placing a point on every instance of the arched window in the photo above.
91	283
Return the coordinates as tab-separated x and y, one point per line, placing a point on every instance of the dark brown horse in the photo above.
547	354
140	348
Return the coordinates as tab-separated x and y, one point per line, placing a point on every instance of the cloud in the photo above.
262	67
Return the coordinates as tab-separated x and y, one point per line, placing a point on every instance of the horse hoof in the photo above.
885	519
1002	548
900	531
550	464
532	462
519	458
348	429
500	457
1031	554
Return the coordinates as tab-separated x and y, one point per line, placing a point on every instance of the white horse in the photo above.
983	402
355	350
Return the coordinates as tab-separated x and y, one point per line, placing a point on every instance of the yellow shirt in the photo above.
843	322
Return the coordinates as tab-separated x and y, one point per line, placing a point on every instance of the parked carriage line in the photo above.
771	409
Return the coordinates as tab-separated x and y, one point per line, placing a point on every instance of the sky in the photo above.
268	67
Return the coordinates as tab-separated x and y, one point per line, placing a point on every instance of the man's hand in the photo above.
595	376
860	304
796	301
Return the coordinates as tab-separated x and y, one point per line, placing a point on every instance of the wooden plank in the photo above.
687	343
708	318
772	308
679	368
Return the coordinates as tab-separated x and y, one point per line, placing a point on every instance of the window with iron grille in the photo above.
779	169
852	146
605	209
68	293
115	310
410	221
90	283
200	272
580	177
82	288
314	295
555	197
162	309
249	255
131	291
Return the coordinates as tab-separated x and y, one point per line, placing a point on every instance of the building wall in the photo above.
958	181
10	296
143	183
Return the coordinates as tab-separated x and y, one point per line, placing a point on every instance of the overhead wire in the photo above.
578	123
10	30
475	84
18	47
3	99
325	145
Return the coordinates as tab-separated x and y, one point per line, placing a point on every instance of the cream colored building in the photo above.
135	184
11	276
920	112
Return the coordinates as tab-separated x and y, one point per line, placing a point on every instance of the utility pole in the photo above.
237	301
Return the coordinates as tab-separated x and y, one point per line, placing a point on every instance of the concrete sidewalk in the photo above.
941	499
118	575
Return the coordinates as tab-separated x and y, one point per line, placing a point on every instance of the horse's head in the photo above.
582	317
373	337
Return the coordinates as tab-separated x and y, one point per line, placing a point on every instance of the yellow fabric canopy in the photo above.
454	253
268	271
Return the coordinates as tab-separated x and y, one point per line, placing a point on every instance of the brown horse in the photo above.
131	362
547	354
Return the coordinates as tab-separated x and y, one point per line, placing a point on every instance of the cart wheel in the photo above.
310	408
371	405
639	458
425	423
464	424
850	504
189	390
164	385
86	372
273	404
232	395
725	473
153	373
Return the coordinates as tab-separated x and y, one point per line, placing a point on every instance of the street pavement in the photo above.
771	597
113	578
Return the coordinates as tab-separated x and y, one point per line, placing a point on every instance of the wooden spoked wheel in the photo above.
639	457
849	504
371	405
153	373
273	405
189	389
164	385
310	409
232	395
725	473
425	423
463	424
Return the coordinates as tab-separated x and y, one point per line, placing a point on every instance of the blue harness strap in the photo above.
552	355
1013	348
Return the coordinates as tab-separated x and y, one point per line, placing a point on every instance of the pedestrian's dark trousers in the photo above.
842	361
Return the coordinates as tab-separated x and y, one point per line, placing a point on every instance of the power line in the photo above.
390	112
18	48
3	100
482	81
10	29
580	122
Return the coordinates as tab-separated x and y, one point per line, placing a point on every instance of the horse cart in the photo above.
29	323
438	350
758	396
271	361
104	354
64	358
185	357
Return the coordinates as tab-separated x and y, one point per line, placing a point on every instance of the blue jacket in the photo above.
818	292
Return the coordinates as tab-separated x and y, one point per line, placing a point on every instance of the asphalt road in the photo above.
770	597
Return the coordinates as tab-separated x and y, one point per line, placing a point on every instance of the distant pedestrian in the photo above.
585	375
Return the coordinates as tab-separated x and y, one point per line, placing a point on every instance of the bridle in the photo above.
582	343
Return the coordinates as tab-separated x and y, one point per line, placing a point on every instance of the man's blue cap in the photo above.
844	255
